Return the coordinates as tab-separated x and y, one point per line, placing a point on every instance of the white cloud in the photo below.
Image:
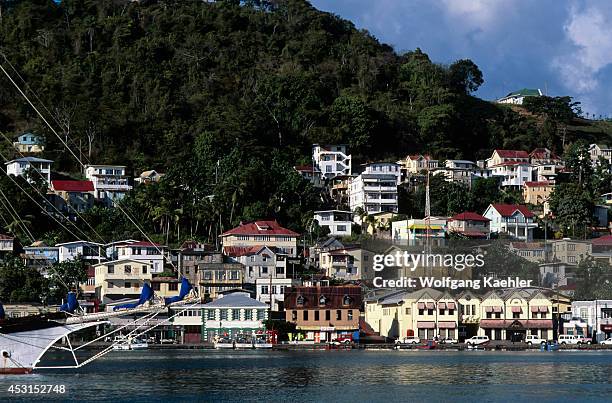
589	31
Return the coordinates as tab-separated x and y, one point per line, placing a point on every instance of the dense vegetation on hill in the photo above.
225	97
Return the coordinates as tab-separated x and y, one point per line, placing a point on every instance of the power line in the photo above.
16	216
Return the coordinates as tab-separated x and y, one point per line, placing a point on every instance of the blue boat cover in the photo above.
185	288
71	303
1	311
145	295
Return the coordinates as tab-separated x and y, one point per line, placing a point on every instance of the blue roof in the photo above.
28	159
236	300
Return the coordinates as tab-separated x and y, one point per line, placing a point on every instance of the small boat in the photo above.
243	341
223	342
262	342
124	344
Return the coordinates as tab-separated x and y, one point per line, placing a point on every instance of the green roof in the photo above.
526	92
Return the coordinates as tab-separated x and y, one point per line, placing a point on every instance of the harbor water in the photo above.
343	376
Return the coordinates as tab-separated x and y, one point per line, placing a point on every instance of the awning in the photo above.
493	323
442	305
535	309
539	324
488	309
447	325
451	305
543	309
606	328
431	305
426	325
497	309
423	226
421	305
516	309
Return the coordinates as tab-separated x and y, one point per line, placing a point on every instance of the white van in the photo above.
476	340
534	340
569	339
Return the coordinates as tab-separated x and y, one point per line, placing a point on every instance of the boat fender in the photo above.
6	354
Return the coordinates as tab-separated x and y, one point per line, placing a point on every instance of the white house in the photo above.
110	182
259	262
375	189
90	252
337	221
20	166
331	160
600	151
141	251
415	164
517	97
272	288
462	171
512	219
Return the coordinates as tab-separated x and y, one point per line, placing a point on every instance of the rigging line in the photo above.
39	114
52	205
15	219
41	207
75	156
38	99
28	233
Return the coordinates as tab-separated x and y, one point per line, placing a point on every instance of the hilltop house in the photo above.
151	176
30	143
89	252
517	97
415	231
70	196
141	251
20	166
331	160
375	189
598	151
261	233
259	262
537	193
337	221
512	219
309	173
110	182
7	245
416	164
462	171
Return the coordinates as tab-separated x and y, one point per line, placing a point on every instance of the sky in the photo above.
563	47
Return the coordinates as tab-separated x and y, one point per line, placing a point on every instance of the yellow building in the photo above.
537	193
121	279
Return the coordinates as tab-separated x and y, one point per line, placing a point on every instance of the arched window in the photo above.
322	300
300	300
346	300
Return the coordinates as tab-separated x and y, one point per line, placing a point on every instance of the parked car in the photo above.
167	341
607	342
477	340
533	339
408	340
574	339
449	341
343	339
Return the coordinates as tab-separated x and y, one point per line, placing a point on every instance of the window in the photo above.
173	286
489	315
235	314
441	311
516	315
264	270
338	314
128	284
223	314
248	314
300	300
346	300
350	314
127	269
316	316
144	270
327	315
583	313
252	258
155	286
421	311
407	311
273	289
305	315
294	315
322	300
265	289
341	228
430	312
280	270
497	315
208	275
451	311
111	269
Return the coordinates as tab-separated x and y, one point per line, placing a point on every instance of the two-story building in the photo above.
7	246
469	225
462	171
70	197
323	313
348	263
416	231
151	253
110	182
30	143
271	291
40	256
417	164
150	176
262	233
590	318
260	262
35	167
375	189
89	252
568	250
537	193
331	160
121	279
337	221
511	219
597	151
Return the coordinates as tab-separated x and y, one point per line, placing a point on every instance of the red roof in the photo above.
542	154
73	186
469	216
6	237
512	154
603	240
417	156
534	184
506	210
304	168
270	227
237	251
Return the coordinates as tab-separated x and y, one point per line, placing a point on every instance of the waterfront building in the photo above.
273	289
338	222
590	319
110	182
331	160
212	274
21	166
469	225
349	263
261	233
121	279
30	143
512	219
232	315
375	189
513	314
323	313
468	304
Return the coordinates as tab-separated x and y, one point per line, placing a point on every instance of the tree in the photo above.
572	207
593	280
465	76
67	276
21	284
